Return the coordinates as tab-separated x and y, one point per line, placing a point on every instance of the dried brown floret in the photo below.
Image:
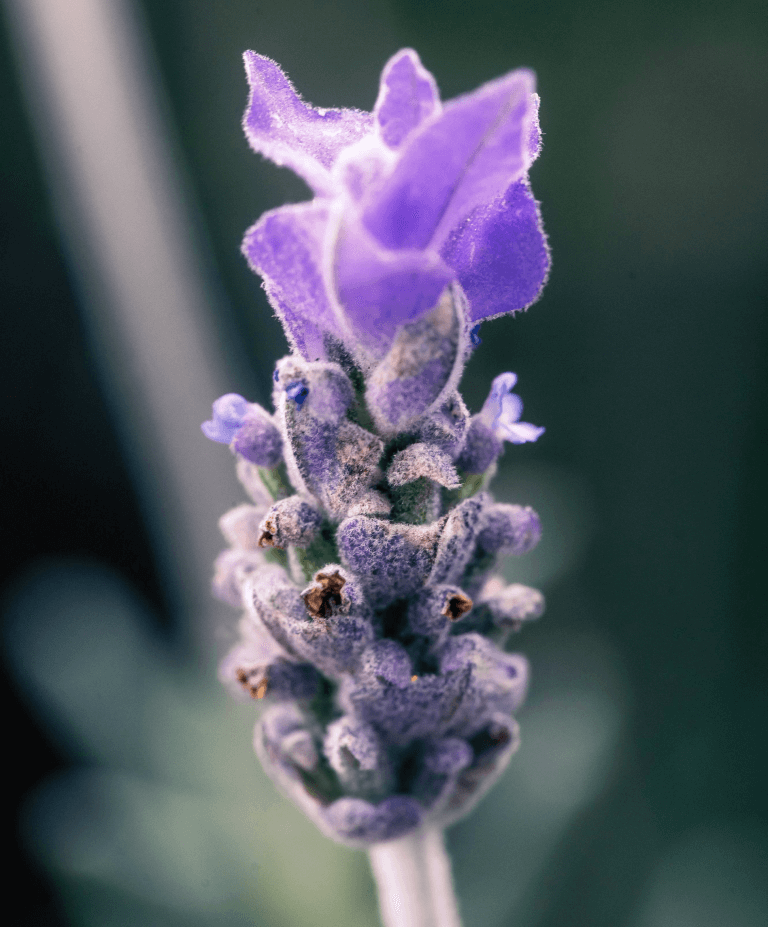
323	598
457	605
253	681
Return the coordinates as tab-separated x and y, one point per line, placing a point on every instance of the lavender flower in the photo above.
410	198
365	565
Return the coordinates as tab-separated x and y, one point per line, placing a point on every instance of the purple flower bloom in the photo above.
502	410
409	199
498	421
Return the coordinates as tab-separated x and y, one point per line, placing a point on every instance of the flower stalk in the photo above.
413	877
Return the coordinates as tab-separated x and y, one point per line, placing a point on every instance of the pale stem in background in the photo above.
126	226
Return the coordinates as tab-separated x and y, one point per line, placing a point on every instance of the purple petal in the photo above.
381	290
285	247
511	410
533	144
500	387
519	432
363	167
500	416
453	164
407	96
290	132
500	254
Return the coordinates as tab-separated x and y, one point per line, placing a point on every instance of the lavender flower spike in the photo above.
366	566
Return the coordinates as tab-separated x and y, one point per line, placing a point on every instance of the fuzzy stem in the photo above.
413	875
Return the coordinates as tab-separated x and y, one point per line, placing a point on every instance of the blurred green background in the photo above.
639	795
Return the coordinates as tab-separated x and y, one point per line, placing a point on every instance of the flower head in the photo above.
365	563
409	199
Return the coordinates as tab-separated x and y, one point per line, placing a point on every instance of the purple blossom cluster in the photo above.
375	624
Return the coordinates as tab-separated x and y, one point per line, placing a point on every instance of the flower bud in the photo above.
289	521
509	529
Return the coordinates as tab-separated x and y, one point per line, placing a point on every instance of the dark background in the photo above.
645	359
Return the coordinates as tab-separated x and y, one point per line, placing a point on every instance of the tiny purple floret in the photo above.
502	410
228	415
